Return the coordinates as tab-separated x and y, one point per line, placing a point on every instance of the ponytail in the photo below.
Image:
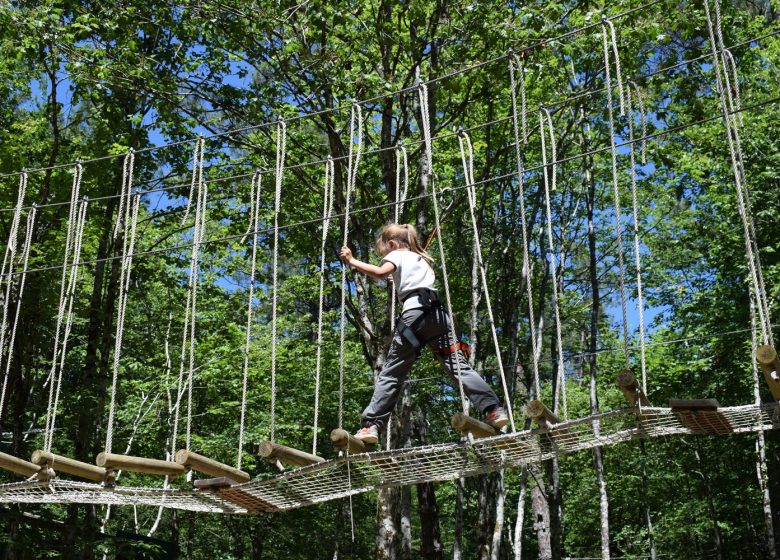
406	236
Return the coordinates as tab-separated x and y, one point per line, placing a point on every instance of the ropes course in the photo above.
357	469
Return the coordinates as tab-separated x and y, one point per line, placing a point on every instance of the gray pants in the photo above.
433	330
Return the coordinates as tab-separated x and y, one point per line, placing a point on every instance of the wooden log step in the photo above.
139	464
217	483
541	414
67	465
767	359
242	498
342	439
627	382
466	424
701	416
275	452
210	467
19	466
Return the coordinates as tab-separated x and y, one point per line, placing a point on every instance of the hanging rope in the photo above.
520	67
737	163
642	117
524	230
615	185
327	210
130	221
188	334
401	162
618	70
353	159
637	252
28	238
197	174
254	225
281	151
8	264
124	194
467	157
545	121
428	155
65	314
735	97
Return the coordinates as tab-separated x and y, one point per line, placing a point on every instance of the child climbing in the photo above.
423	321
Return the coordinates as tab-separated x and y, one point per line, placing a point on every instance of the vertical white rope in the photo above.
29	229
198	234
524	230
71	228
737	163
70	296
6	273
520	67
327	210
618	70
640	303
353	159
425	119
642	116
281	150
401	161
428	155
736	96
254	224
124	196
467	157
129	222
545	121
616	186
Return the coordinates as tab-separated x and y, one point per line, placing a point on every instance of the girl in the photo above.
423	321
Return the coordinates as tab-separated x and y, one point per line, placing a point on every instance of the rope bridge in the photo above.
367	472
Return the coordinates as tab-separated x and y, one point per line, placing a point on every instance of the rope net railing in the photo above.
350	474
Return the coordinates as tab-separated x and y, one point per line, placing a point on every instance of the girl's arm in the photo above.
376	272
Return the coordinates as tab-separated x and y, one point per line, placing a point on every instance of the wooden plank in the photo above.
139	464
342	439
246	500
693	404
289	455
217	483
767	359
466	424
18	466
208	466
705	421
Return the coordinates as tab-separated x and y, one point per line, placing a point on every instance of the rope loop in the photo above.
281	154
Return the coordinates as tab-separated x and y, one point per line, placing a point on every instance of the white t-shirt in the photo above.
411	272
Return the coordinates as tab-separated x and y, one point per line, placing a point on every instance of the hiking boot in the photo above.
497	417
369	435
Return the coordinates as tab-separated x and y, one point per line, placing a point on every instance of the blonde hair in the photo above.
406	236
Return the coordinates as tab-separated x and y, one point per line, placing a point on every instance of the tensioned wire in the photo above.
339	108
552	104
481	182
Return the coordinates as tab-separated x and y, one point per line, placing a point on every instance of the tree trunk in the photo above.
518	534
541	512
710	503
498	527
430	535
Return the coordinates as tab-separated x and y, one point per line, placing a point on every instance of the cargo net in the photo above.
356	474
71	492
367	472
